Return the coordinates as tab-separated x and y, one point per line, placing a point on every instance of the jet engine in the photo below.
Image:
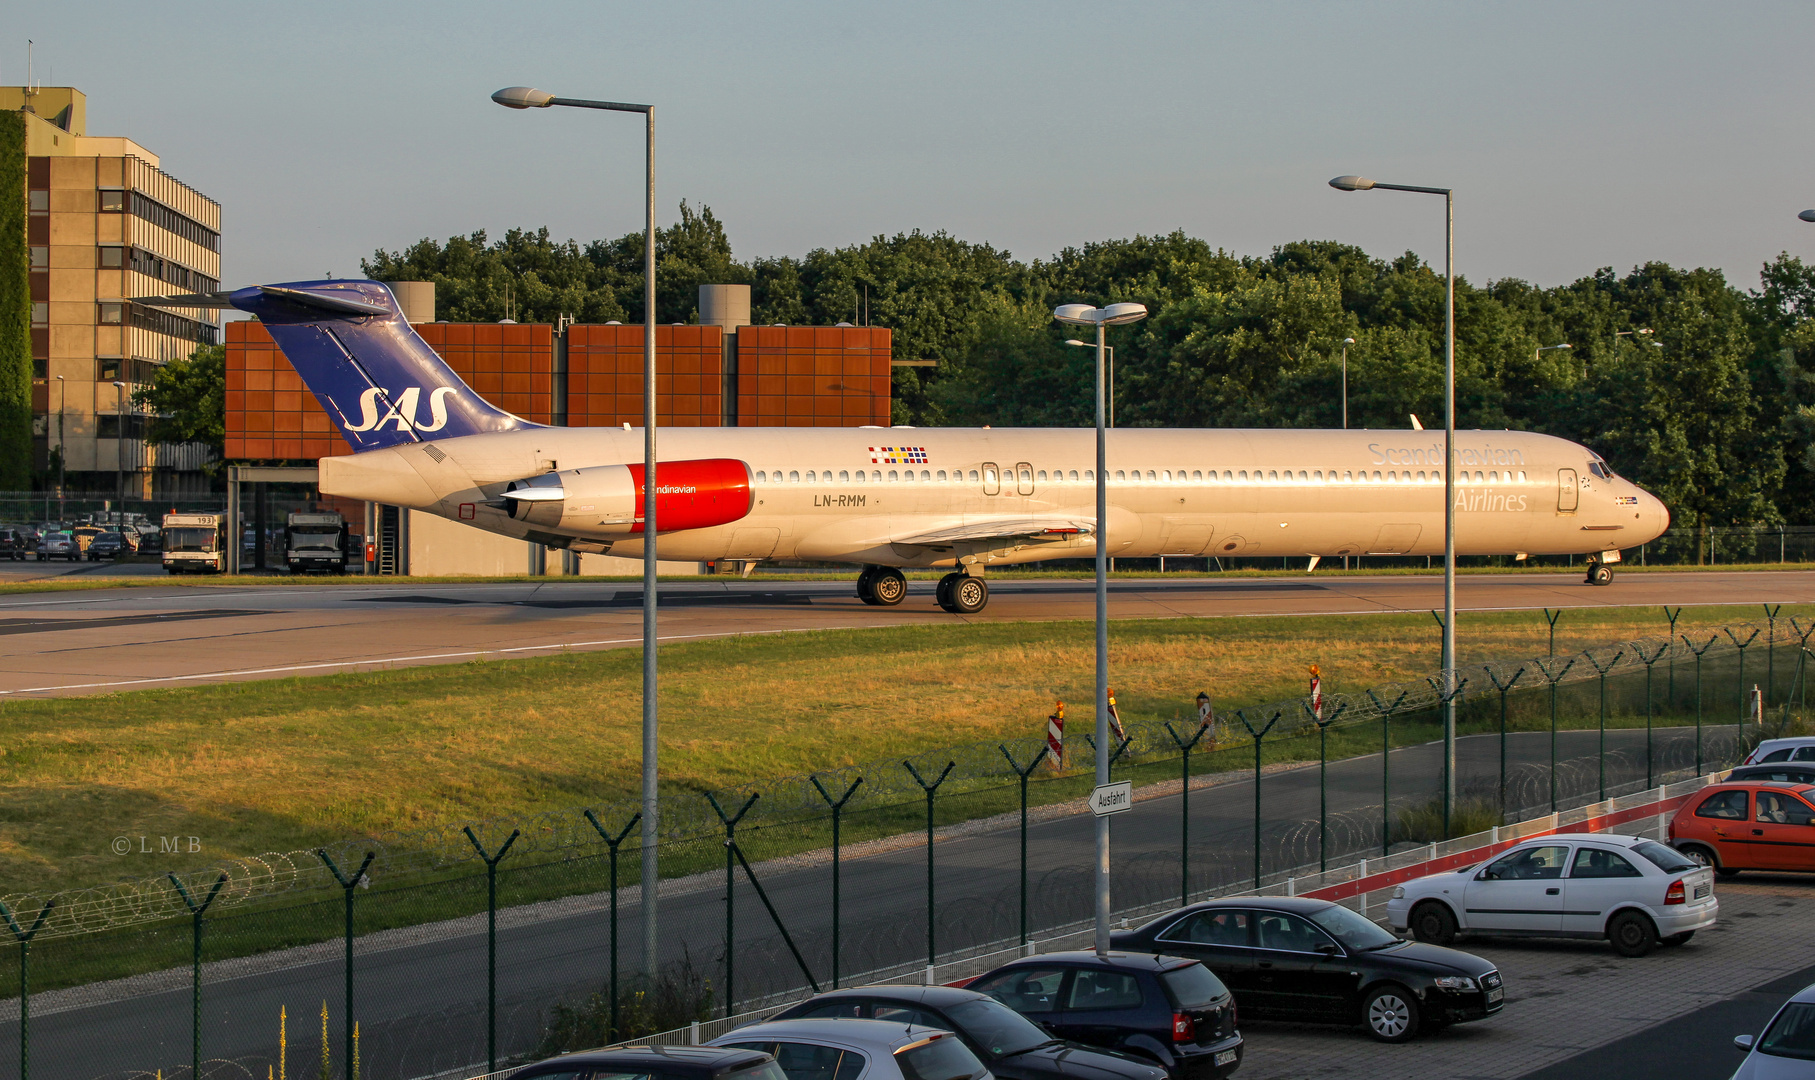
607	500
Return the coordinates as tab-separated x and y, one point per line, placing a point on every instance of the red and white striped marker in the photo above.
1115	719
1055	736
1316	693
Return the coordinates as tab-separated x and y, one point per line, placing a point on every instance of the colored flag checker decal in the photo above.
898	455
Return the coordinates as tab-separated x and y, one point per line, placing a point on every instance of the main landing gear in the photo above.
962	594
959	593
881	586
1599	573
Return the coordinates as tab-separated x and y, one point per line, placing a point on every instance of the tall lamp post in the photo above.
1362	183
1110	349
1113	315
62	447
1618	334
523	97
1346	342
119	442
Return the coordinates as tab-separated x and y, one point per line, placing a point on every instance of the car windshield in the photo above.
1669	860
1357	933
1193	986
998	1029
1792	1034
941	1059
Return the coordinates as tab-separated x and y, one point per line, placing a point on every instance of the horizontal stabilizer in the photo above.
186	300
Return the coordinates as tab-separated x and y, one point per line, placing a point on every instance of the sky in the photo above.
1576	135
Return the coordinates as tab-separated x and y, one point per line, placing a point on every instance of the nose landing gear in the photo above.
1599	573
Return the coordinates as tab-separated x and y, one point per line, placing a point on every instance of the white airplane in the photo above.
888	499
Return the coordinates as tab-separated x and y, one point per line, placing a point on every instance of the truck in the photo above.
315	541
192	543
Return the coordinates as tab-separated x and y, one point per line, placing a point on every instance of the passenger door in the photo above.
1724	814
1598	879
1783	832
1031	991
1103	1007
1222	939
1300	970
1522	890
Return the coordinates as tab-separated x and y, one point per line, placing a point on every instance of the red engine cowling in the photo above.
607	500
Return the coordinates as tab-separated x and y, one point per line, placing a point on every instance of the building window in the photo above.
40	367
40	202
113	201
163	217
40	258
112	314
107	368
116	426
113	258
40	313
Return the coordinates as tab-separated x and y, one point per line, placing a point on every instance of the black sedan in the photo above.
657	1063
1009	1044
109	545
1168	1009
1311	960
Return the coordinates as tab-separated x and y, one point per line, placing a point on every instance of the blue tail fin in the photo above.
370	370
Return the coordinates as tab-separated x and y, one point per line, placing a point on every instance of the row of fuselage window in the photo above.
1136	476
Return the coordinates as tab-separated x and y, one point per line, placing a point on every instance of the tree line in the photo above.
1690	386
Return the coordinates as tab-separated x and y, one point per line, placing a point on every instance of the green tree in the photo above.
188	401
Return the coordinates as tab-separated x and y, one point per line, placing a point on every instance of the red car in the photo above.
1748	825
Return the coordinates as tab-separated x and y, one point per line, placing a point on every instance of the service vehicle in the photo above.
852	1049
656	1063
956	499
1748	825
1786	1049
192	543
1632	891
1171	1009
1301	959
1011	1046
315	541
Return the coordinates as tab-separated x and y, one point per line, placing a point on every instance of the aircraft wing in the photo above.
1028	528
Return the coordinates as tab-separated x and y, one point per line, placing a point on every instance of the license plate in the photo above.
1495	995
1702	891
1225	1057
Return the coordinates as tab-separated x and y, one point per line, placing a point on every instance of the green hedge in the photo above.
15	311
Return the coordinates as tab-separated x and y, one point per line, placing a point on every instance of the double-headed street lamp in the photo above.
1113	315
523	97
1346	342
1362	183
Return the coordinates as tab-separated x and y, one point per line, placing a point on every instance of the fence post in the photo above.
491	942
774	917
838	812
930	790
1602	673
1258	736
1771	642
1022	775
25	984
1551	617
195	967
347	885
1446	702
1510	683
1184	794
612	842
730	910
1544	669
1740	724
1323	803
1698	694
1649	660
1386	755
1670	691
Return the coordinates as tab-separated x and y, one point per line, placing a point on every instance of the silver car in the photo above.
1786	1051
59	545
846	1048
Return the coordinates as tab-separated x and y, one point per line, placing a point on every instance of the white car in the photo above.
1632	891
847	1048
1800	748
1786	1051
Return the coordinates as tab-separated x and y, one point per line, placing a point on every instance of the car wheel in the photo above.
1390	1013
1679	939
1632	934
1433	924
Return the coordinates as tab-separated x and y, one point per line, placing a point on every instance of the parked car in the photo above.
850	1049
1311	960
656	1063
14	544
1794	773
1169	1009
58	545
1632	891
1799	748
110	545
1748	825
1011	1046
151	543
1786	1049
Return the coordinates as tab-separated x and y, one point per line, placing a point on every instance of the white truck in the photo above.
193	545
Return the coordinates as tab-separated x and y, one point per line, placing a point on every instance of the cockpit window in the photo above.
1600	469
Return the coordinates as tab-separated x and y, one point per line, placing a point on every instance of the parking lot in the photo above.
1575	1009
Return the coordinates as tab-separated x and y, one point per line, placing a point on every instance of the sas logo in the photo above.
403	411
898	455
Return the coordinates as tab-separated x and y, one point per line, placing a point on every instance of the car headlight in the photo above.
1399	892
1455	982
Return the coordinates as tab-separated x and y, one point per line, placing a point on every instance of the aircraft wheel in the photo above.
888	586
969	595
1600	574
866	585
945	591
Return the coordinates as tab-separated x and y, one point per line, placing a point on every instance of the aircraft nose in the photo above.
1659	515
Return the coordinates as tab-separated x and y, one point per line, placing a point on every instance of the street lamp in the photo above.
1113	315
1807	215
119	442
62	447
1362	183
524	97
1545	349
1111	350
1346	342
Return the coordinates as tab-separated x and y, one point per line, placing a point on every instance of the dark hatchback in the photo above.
1011	1046
657	1063
108	546
1311	960
1168	1009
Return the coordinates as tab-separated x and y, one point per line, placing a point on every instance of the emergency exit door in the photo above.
1568	493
